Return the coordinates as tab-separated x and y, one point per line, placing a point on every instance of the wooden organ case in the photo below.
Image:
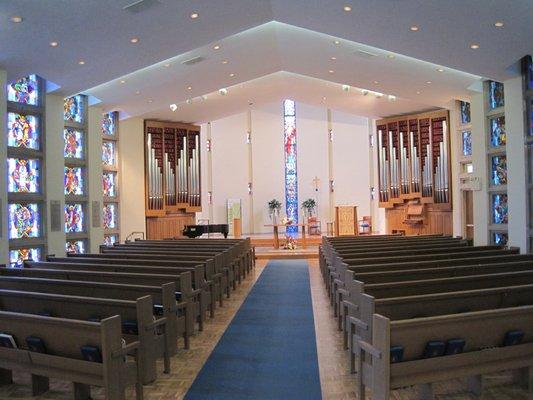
414	169
172	177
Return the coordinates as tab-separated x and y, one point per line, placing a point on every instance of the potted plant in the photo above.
309	206
273	208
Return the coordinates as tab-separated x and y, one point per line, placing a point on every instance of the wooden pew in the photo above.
63	339
155	340
484	352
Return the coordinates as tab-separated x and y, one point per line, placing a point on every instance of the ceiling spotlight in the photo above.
231	75
81	62
16	19
324	99
364	92
150	101
204	97
331	71
122	81
138	92
224	62
474	46
391	97
347	8
414	28
428	82
418	92
345	88
333	58
391	56
216	47
375	82
189	87
173	107
223	91
440	70
134	40
188	101
337	42
379	95
167	65
54	44
498	24
194	15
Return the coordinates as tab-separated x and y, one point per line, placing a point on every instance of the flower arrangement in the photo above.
290	243
309	205
274	205
286	221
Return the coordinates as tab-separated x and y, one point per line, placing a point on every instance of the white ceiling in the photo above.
258	51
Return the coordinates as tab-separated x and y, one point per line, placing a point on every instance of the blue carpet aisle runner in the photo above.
269	349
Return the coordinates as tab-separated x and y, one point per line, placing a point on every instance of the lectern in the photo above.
346	221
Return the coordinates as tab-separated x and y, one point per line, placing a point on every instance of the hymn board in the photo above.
414	166
172	172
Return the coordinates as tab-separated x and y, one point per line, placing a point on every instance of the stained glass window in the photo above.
498	170
74	218
22	131
24	220
109	184
108	153
496	97
109	124
500	238
74	183
467	143
74	109
75	246
500	209
530	73
465	112
18	256
291	170
110	240
73	143
109	215
25	91
530	112
23	175
498	136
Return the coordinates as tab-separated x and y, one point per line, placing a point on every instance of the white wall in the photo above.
131	185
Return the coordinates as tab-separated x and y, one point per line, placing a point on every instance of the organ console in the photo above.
413	158
172	177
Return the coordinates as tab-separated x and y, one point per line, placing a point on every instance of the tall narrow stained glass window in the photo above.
465	112
498	137
498	170
109	184
500	209
108	153
291	166
109	215
75	246
24	91
110	173
74	181
74	109
496	96
500	238
110	240
73	143
109	124
74	218
24	220
23	175
23	131
18	256
467	143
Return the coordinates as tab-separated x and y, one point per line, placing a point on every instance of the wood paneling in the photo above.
169	226
436	220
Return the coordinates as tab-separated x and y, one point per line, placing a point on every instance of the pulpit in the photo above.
346	221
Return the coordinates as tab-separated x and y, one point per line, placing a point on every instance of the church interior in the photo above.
266	199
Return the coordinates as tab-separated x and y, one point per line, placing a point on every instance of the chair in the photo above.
314	226
365	225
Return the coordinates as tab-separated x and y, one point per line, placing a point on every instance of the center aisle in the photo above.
269	349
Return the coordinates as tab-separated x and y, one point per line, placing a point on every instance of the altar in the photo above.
276	233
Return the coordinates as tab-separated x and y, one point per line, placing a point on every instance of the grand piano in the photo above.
193	231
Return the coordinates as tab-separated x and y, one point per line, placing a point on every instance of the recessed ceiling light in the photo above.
428	82
418	92
391	97
188	101
224	61
203	97
81	62
364	92
391	56
375	82
167	65
194	15
231	75
223	91
337	42
345	88
16	19
331	71
333	58
54	44
414	28
474	46
379	95
150	101
122	81
173	107
347	8
498	24
440	70
189	87
216	47
138	92
134	40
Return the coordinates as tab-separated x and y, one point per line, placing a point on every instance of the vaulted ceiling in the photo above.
305	49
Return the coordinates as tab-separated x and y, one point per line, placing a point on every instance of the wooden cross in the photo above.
316	181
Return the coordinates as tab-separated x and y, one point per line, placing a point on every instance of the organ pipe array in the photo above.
172	160
413	159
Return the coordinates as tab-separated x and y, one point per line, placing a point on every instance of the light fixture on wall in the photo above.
188	101
210	198
223	91
364	92
371	140
345	88
332	186
249	188
372	193
391	97
248	137
173	107
330	135
208	145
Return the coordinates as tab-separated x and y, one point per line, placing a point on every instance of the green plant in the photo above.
309	205
274	205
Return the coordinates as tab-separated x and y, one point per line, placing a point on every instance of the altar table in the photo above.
276	233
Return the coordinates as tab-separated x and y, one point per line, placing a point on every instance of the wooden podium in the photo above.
346	221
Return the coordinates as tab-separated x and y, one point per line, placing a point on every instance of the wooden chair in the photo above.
314	226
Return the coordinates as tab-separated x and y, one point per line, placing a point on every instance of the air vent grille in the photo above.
365	54
193	61
140	5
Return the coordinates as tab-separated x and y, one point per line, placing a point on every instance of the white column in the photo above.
516	163
4	244
455	152
209	174
251	228
94	176
54	165
331	178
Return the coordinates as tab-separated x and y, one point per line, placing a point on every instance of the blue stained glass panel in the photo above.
500	238
109	184
109	214
465	112
75	246
24	220
74	218
291	167
110	240
108	153
23	131
109	124
496	97
74	183
74	109
530	114
500	208
18	256
530	73
24	91
498	136
73	143
498	170
467	143
23	175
